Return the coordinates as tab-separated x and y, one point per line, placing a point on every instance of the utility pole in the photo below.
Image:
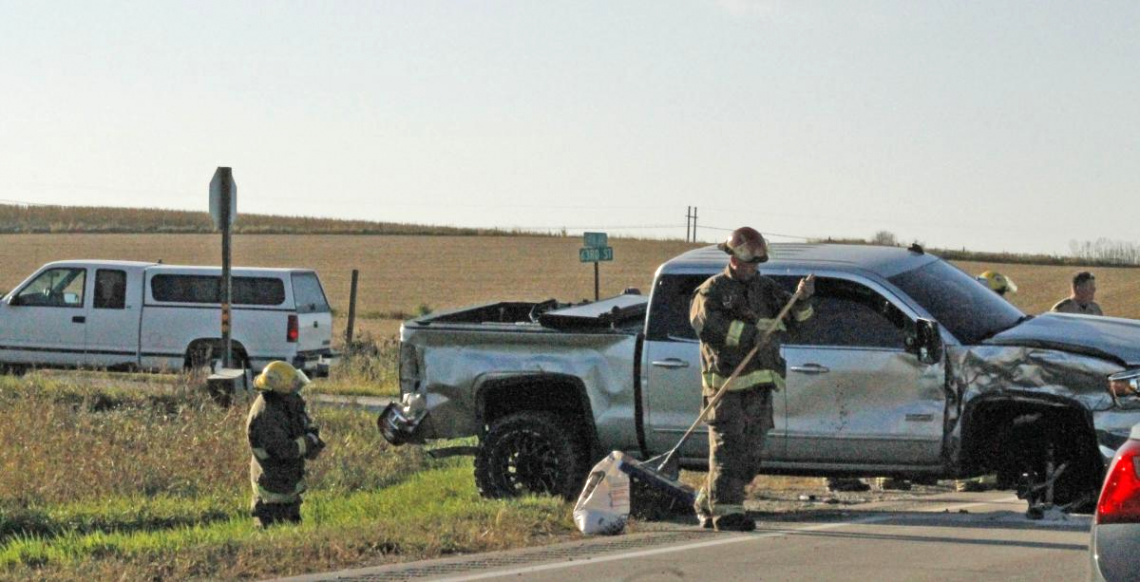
688	221
694	224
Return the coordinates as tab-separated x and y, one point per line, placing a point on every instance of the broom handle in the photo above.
739	368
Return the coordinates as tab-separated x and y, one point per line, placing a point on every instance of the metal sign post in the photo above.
596	248
223	209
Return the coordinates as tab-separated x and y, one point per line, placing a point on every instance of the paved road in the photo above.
955	536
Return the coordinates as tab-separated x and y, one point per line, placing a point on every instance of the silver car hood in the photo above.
1106	337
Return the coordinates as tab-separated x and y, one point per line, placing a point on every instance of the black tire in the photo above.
530	453
202	353
17	370
199	355
1079	485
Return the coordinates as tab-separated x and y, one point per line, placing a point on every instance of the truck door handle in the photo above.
810	369
78	319
671	363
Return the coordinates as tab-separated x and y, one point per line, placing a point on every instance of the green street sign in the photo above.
593	255
596	240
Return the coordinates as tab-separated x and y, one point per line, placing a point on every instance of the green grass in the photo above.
432	513
150	481
367	367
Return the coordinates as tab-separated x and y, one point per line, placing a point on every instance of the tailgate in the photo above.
314	317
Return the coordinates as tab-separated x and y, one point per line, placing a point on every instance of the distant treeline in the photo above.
29	219
1099	253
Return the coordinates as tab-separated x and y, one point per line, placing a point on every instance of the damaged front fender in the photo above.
1053	378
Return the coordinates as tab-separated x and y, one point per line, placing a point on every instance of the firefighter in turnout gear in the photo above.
731	312
281	437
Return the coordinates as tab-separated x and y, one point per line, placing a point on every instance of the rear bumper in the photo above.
315	363
401	422
1112	551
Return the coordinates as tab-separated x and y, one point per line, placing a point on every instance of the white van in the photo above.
125	314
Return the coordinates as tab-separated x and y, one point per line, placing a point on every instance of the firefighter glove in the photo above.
316	445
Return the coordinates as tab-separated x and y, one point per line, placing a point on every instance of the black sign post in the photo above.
596	248
223	209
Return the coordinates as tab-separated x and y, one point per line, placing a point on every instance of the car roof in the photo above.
881	260
99	263
204	269
185	269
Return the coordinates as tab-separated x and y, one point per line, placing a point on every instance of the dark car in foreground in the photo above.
1114	548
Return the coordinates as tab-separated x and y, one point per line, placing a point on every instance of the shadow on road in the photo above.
928	539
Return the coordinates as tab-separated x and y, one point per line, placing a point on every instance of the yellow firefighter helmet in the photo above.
280	377
997	282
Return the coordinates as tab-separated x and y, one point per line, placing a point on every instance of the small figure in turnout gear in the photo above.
281	437
731	312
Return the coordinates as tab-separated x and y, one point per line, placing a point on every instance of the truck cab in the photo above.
73	314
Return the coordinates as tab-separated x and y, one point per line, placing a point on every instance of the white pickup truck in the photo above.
150	316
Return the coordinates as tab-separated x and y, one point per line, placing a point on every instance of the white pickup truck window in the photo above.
207	289
110	289
308	294
61	287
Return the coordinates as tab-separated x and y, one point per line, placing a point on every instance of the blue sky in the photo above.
1000	126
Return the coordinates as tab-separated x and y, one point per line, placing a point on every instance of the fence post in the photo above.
351	308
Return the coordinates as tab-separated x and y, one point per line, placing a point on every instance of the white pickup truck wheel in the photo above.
204	354
530	452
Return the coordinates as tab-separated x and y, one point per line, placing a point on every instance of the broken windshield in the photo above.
966	308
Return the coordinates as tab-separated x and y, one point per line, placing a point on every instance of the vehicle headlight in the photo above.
1126	383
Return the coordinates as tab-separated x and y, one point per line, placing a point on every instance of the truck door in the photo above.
45	320
671	371
854	394
113	321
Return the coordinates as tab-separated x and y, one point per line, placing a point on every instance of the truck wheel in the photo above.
203	354
530	453
13	369
199	355
1076	487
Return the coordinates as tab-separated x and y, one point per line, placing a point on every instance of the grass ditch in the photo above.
432	513
150	482
368	366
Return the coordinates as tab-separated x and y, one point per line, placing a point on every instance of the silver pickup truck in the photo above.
910	368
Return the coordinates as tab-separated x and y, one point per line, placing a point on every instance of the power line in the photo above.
766	233
592	227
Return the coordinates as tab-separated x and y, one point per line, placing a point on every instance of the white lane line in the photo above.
735	539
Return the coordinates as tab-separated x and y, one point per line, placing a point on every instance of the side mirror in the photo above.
14	301
927	341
